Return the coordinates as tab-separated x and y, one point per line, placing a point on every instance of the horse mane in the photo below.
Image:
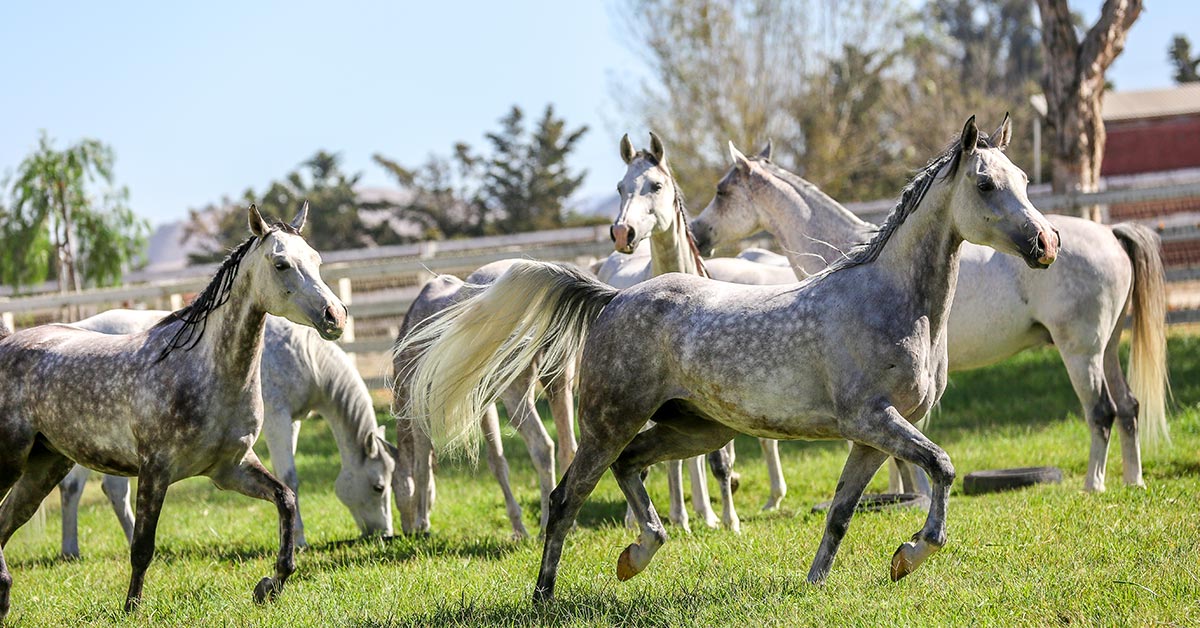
910	199
681	213
215	294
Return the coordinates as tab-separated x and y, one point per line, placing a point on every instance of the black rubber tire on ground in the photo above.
995	480
871	502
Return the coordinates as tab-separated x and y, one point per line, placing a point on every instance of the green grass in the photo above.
1051	555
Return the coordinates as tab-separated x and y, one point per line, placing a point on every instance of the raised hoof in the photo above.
265	591
625	566
909	556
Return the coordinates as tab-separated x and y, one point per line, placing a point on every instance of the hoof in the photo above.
131	604
520	535
771	505
265	591
625	567
909	556
70	557
734	526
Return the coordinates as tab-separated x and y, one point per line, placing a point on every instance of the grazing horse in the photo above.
182	399
855	352
414	485
301	373
1001	307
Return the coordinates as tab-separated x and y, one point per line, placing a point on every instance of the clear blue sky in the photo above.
202	100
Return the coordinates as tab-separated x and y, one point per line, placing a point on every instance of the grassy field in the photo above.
1052	555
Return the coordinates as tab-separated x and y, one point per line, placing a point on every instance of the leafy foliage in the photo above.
521	184
66	216
1180	54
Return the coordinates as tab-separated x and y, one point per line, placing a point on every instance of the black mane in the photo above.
215	294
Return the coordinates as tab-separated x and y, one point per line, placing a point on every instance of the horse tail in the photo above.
1148	352
467	355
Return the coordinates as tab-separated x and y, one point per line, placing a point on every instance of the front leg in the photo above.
280	432
250	478
153	480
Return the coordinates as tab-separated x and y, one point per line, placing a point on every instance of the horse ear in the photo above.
371	447
970	137
258	226
1002	134
627	152
740	161
767	150
301	218
656	148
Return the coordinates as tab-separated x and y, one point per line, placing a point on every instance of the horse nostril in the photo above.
331	317
632	237
611	235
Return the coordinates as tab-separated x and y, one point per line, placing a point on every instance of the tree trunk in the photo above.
1074	86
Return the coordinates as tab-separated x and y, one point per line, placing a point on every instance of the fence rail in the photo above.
376	311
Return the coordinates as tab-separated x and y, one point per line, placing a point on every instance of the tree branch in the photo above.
1106	39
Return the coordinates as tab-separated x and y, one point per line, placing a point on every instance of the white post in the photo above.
7	318
176	301
346	294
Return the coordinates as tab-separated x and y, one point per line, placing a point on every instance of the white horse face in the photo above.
732	213
365	487
287	277
647	196
989	202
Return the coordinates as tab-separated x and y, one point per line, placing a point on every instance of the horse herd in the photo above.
850	336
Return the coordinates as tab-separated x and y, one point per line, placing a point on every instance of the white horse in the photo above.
182	399
1001	307
856	352
301	374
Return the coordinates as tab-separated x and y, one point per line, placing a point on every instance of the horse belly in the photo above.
106	448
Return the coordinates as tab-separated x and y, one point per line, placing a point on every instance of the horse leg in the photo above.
279	431
600	444
665	441
425	491
70	490
13	455
676	509
560	393
10	472
770	449
403	483
722	468
522	413
1086	370
890	433
153	481
700	499
251	479
1127	413
116	489
499	468
861	465
44	469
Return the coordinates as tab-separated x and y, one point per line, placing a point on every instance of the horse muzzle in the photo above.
333	321
1045	249
623	237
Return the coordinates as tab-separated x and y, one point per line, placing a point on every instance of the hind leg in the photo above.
700	499
1127	414
770	449
44	469
522	413
1086	371
722	468
69	492
12	461
498	465
610	430
116	489
676	509
670	438
560	393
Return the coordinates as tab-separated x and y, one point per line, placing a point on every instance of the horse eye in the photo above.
282	265
986	185
657	187
378	488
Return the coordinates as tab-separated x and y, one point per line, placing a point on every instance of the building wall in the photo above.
1155	145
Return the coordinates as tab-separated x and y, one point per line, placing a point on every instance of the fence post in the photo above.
175	301
7	319
346	294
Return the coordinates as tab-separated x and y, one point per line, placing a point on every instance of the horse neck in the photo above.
921	258
813	229
671	250
348	407
233	339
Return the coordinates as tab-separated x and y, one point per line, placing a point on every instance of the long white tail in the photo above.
467	355
1147	370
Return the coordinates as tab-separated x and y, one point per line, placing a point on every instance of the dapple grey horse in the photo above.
1001	307
183	399
856	352
301	373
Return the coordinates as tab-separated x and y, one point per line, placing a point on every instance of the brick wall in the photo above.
1155	145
